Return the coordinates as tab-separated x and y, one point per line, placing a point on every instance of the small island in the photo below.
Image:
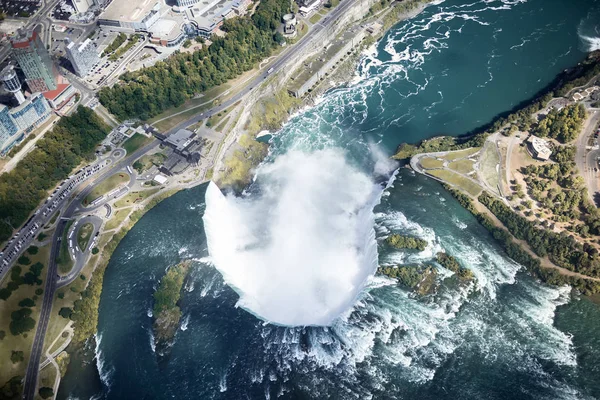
421	279
166	310
406	242
451	263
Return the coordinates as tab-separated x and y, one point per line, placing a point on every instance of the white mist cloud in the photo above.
301	251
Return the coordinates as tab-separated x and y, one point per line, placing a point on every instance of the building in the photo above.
60	96
16	122
539	148
11	82
83	57
131	16
209	15
34	60
82	6
186	3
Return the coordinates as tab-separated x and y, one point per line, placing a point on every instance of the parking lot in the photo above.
20	8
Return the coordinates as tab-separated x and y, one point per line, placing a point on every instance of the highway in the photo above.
31	377
279	63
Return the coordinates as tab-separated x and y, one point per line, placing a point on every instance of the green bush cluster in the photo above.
451	263
21	321
563	125
16	356
406	242
116	43
32	277
421	278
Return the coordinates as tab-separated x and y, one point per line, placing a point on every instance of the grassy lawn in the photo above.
47	377
147	161
84	235
106	186
463	166
456	180
429	163
21	342
135	197
64	261
488	161
117	218
455	155
315	18
135	142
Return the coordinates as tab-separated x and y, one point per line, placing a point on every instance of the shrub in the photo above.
16	356
24	260
46	392
65	312
33	250
27	302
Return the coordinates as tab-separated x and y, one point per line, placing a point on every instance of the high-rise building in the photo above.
11	82
83	56
16	122
34	60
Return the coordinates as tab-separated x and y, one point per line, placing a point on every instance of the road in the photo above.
585	159
81	255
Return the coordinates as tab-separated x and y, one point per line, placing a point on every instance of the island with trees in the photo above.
166	312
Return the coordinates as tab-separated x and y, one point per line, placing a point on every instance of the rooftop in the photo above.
181	139
129	10
53	94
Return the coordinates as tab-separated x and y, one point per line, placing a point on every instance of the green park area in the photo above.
431	163
457	181
106	186
135	197
84	234
21	294
146	162
135	142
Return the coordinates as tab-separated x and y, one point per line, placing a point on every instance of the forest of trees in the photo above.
562	249
149	91
21	190
563	125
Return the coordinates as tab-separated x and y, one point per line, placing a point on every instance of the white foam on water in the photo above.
105	371
185	323
301	252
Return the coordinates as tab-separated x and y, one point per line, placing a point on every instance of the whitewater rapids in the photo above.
300	251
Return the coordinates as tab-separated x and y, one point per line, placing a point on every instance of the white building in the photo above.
82	6
131	16
539	148
83	56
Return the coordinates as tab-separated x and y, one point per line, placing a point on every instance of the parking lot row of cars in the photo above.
26	234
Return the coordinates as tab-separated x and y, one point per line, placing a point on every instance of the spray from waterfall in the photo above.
300	251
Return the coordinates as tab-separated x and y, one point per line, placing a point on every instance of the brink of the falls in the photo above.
300	249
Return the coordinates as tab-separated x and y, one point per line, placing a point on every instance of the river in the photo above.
449	70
